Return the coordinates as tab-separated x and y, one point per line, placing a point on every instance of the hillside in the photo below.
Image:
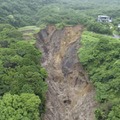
57	62
37	12
100	55
70	95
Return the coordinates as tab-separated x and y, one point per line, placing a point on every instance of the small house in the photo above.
104	18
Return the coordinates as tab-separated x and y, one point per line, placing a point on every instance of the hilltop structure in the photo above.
104	18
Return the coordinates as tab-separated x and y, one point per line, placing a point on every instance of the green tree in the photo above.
100	56
17	107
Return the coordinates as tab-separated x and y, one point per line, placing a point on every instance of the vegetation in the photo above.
17	107
28	33
20	74
100	55
43	12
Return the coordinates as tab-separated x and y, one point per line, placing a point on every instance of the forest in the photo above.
22	78
22	85
100	55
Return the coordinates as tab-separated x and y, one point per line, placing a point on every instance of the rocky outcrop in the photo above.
70	96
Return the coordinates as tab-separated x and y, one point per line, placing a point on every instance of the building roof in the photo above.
103	16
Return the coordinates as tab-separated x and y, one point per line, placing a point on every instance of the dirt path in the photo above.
70	96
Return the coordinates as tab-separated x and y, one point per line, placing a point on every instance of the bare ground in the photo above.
70	95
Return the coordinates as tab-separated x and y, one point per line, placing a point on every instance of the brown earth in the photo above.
70	95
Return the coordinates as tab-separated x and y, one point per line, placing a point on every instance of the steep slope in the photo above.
70	95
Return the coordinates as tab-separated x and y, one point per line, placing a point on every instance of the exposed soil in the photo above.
70	95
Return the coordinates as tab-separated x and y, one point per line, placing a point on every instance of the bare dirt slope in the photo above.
70	96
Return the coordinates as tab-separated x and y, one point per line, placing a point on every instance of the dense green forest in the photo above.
22	79
43	12
100	55
22	86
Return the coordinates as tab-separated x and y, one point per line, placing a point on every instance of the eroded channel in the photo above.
70	95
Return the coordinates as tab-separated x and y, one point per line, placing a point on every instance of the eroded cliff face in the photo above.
70	96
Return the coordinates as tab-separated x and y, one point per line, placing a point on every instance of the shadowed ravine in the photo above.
70	96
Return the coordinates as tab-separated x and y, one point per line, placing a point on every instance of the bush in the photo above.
99	28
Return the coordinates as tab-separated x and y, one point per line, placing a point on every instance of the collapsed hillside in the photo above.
70	95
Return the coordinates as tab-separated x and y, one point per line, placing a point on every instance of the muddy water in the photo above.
70	96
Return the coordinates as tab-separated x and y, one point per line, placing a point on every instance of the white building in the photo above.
104	18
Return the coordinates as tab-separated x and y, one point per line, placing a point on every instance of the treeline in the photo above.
19	12
43	12
100	55
22	86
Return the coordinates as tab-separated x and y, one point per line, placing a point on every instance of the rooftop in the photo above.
103	16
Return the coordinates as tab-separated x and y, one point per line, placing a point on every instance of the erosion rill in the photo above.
70	96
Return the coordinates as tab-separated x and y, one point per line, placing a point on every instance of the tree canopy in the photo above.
16	107
21	75
100	55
